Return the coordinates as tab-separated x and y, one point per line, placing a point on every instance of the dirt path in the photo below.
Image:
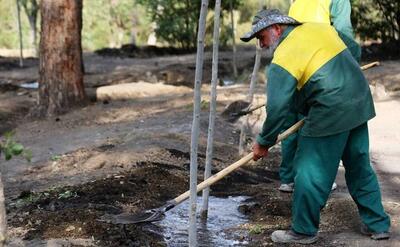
130	155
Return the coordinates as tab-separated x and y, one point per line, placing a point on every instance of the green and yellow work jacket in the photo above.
313	70
335	12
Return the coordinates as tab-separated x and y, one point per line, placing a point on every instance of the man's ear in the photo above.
278	28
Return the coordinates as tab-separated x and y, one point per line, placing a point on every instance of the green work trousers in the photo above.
288	148
316	164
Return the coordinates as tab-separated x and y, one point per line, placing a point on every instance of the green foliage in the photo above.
246	12
11	148
177	21
8	24
377	19
36	197
30	199
204	105
55	157
67	194
113	23
256	229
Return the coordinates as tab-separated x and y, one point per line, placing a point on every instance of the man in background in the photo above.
331	12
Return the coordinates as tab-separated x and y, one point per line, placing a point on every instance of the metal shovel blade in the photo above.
129	218
151	215
232	112
146	216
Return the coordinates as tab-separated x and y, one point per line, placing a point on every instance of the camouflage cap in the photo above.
265	18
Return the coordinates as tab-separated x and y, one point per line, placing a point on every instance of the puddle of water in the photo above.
227	82
30	85
221	228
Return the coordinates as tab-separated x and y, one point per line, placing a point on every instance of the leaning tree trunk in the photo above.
60	68
213	106
196	124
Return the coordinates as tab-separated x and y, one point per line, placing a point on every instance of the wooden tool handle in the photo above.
254	108
218	176
370	65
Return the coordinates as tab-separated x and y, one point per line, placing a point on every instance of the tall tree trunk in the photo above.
134	29
213	106
112	38
61	65
196	124
31	8
21	47
233	26
3	218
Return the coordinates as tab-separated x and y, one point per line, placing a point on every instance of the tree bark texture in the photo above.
61	66
3	219
234	49
21	48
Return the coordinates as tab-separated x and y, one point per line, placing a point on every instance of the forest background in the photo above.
173	23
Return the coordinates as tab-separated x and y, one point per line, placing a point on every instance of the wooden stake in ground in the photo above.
213	103
21	47
8	148
196	124
60	61
250	97
3	220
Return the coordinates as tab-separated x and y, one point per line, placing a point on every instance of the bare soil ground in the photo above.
131	154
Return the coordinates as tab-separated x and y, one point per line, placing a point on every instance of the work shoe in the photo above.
290	236
334	186
287	187
290	187
374	235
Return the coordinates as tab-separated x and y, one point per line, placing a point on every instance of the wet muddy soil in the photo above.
75	211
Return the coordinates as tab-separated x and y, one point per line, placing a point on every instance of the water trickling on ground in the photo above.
221	229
